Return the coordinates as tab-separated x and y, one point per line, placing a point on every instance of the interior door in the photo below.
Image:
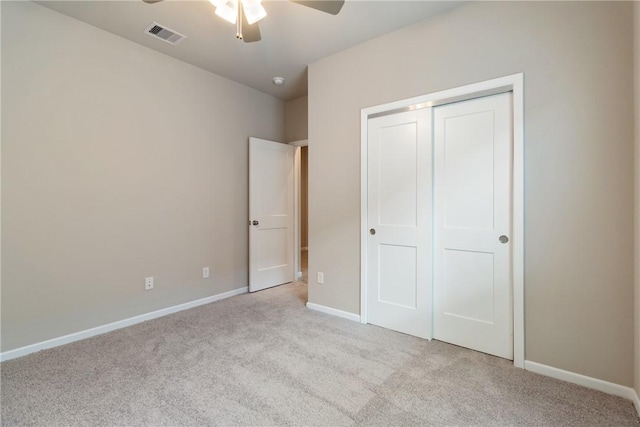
472	224
399	222
271	216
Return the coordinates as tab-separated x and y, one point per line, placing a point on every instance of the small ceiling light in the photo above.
278	81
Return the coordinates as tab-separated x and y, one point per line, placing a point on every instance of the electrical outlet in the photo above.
148	283
205	272
320	277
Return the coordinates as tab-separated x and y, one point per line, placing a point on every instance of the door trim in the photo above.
513	83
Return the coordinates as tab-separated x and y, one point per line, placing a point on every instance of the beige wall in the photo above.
636	26
118	163
576	57
0	177
296	120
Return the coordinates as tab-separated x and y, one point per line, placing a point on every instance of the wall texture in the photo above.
118	163
296	120
578	161
636	38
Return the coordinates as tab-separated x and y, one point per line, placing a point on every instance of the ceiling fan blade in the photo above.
250	33
329	6
152	1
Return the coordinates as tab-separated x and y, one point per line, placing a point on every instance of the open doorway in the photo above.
296	134
301	175
304	219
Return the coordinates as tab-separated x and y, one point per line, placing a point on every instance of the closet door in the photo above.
472	224
399	222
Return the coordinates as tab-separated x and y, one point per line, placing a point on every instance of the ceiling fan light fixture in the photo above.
227	10
253	10
248	12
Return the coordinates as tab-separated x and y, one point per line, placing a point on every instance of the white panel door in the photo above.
472	224
270	214
399	222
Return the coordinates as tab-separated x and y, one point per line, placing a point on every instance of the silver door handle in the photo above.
372	231
503	239
254	222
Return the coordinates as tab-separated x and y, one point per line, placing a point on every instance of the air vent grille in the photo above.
165	34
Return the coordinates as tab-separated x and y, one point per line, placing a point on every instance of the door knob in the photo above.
503	239
372	231
254	222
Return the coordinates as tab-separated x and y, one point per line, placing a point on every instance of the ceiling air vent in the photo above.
165	34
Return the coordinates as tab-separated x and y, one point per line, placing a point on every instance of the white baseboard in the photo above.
334	312
98	330
636	401
298	275
583	380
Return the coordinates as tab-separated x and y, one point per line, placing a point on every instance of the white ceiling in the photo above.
293	36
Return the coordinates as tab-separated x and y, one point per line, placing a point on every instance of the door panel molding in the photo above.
512	83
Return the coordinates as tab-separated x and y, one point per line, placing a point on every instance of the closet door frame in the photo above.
512	83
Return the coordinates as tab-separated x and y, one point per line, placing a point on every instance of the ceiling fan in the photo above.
246	13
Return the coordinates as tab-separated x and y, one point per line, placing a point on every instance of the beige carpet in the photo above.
264	359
